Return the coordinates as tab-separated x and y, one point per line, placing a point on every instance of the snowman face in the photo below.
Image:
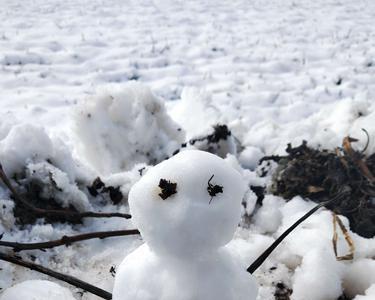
188	205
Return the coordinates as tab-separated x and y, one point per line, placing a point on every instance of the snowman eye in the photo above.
213	189
167	187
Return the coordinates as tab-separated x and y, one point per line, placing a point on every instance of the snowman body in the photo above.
184	257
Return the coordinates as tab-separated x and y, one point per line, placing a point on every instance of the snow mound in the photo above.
205	113
56	184
37	290
29	153
359	276
190	222
370	294
269	217
250	156
122	126
308	286
24	143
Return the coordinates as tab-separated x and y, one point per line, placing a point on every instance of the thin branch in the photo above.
357	159
52	212
368	140
67	240
66	278
259	261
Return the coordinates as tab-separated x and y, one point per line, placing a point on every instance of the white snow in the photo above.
24	143
37	290
250	156
121	127
268	217
274	71
359	277
370	294
6	215
190	222
144	275
185	232
327	285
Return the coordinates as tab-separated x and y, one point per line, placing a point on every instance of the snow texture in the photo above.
359	277
274	71
370	294
37	290
120	127
24	143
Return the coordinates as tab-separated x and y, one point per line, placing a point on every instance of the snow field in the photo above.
274	71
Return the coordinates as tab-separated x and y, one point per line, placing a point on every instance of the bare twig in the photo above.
368	140
52	212
259	261
350	255
67	240
66	278
347	146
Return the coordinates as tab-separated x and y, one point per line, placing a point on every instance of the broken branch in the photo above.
357	159
348	239
67	240
66	278
259	261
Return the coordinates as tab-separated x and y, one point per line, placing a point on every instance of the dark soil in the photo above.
32	190
213	142
282	292
319	174
98	187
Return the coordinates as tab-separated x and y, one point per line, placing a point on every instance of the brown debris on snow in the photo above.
320	174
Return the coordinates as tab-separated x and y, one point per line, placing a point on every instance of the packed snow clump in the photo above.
7	219
120	127
250	156
25	143
205	113
268	217
37	290
325	286
370	294
28	153
186	208
359	277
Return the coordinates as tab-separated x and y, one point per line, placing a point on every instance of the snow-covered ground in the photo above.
274	71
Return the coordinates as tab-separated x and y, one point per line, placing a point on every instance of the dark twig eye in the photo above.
213	189
167	188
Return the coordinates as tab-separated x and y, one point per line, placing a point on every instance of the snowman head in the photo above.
188	205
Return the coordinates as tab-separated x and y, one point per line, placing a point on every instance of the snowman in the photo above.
187	209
